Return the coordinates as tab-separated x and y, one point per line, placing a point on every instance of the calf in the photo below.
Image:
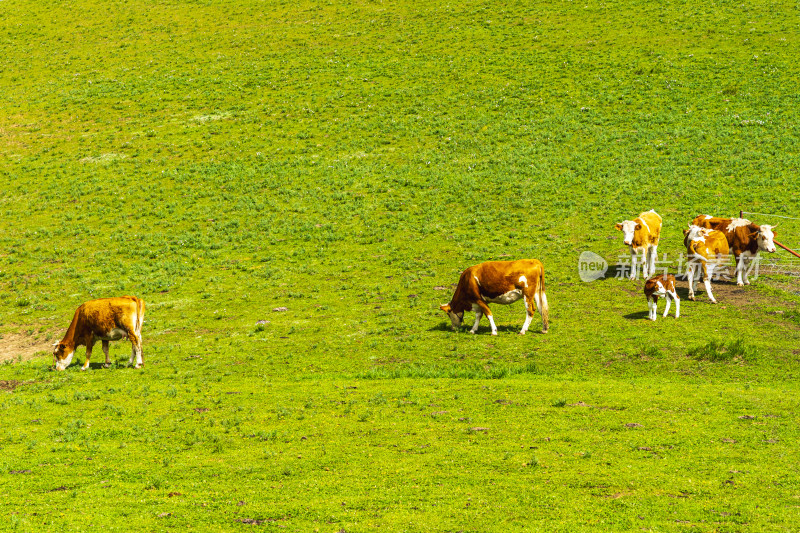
707	249
642	235
662	285
745	240
502	282
107	319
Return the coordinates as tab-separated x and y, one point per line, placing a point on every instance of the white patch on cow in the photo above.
507	298
477	280
523	280
737	223
661	290
64	363
708	217
696	233
644	224
114	335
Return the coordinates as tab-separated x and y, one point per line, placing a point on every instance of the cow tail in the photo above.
544	309
140	316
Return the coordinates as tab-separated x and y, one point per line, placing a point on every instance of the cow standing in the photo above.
642	235
707	249
502	282
106	319
745	240
662	285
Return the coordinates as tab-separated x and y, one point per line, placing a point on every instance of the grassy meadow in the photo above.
294	188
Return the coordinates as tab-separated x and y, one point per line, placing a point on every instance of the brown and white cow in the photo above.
707	250
502	282
745	240
662	285
106	319
642	235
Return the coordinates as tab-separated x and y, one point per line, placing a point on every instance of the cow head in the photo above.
695	233
765	237
62	355
455	318
628	228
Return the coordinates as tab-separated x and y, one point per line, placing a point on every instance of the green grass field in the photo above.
294	188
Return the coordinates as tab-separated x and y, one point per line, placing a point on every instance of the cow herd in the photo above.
709	242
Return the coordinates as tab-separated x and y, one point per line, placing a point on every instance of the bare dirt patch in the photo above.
22	347
729	294
10	384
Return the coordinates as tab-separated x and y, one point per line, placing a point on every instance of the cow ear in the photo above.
638	226
618	226
445	308
753	235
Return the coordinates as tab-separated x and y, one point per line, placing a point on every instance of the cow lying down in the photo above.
107	319
502	282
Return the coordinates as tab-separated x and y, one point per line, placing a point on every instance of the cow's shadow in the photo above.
114	365
482	330
638	315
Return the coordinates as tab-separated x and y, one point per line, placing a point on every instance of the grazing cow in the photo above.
706	249
745	240
642	234
107	319
502	282
658	286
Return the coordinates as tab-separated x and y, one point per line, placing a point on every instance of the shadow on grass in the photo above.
486	330
639	315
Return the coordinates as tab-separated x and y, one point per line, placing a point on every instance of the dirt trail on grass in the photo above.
19	346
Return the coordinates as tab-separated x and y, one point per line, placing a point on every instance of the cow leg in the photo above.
740	270
677	304
651	308
89	346
697	272
691	281
653	257
668	299
136	349
634	261
529	311
478	316
708	272
105	352
751	260
491	323
747	265
481	305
